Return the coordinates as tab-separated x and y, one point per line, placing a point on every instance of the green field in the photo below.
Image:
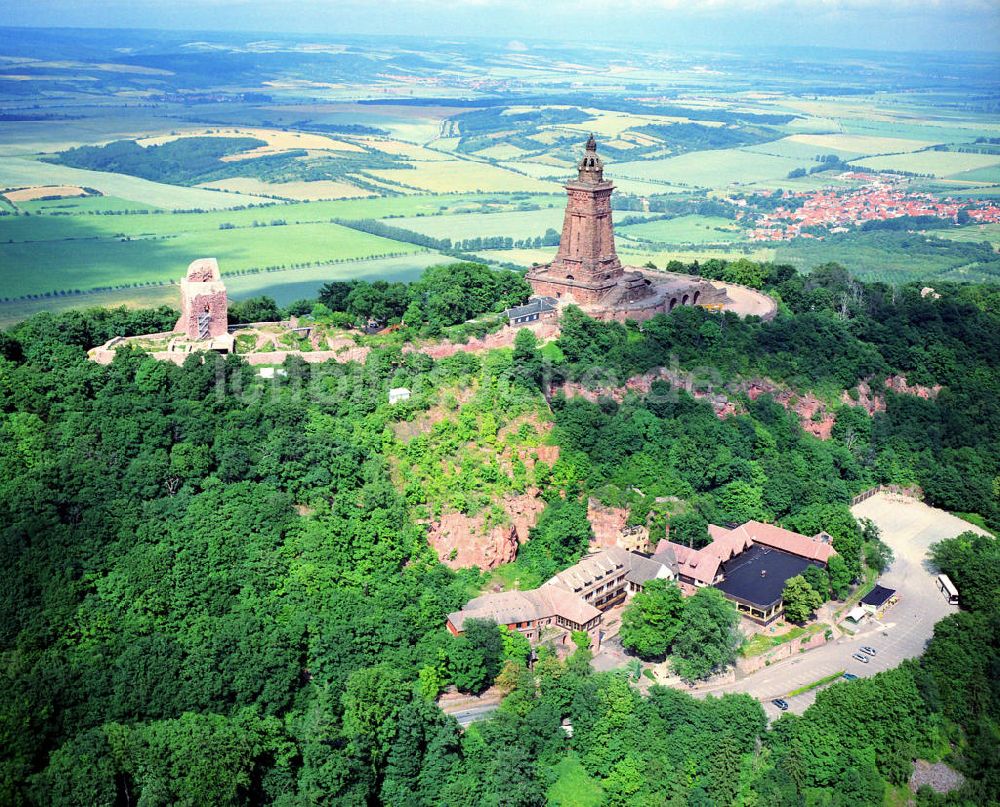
927	131
284	286
94	257
973	232
804	152
894	257
989	174
86	251
514	224
81	205
440	176
711	169
18	172
296	284
12	312
937	163
686	230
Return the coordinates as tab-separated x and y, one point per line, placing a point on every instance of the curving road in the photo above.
909	527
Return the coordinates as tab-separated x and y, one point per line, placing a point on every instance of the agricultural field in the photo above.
461	176
935	163
43	192
451	142
95	256
710	169
692	229
806	147
288	285
318	190
897	257
19	172
283	285
87	250
973	233
277	141
516	224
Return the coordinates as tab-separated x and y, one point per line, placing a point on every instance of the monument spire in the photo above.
591	167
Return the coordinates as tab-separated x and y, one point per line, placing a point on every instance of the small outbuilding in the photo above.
398	395
532	311
879	599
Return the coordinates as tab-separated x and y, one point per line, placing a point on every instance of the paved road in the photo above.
466	717
909	527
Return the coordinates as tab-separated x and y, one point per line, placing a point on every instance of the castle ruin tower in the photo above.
204	307
586	267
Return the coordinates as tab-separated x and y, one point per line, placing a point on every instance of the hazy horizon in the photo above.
896	25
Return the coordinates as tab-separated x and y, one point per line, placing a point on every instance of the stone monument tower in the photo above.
204	308
586	270
586	267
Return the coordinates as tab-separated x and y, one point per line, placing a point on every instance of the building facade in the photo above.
575	599
750	564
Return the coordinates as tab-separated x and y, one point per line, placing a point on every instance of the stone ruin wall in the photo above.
194	303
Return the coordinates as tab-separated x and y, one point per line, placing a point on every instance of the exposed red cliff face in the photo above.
606	522
463	541
546	329
873	402
643	384
897	383
812	412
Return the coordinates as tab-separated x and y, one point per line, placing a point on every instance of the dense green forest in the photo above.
215	592
192	160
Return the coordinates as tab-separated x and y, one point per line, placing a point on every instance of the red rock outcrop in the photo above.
813	415
606	522
463	541
898	384
505	337
873	402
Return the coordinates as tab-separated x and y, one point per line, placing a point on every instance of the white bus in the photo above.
947	588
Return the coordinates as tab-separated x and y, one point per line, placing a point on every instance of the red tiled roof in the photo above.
700	564
802	545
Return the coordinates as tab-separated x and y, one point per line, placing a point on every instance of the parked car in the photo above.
850	676
781	704
860	657
870	651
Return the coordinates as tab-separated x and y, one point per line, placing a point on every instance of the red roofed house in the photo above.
575	599
749	564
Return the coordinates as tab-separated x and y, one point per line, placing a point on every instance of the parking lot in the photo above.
909	527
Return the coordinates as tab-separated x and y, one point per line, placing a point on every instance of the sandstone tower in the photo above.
204	308
586	270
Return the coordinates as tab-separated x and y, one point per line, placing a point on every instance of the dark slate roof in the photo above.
536	305
643	569
745	581
878	596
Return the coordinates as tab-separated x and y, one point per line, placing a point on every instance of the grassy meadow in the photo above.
692	229
97	255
